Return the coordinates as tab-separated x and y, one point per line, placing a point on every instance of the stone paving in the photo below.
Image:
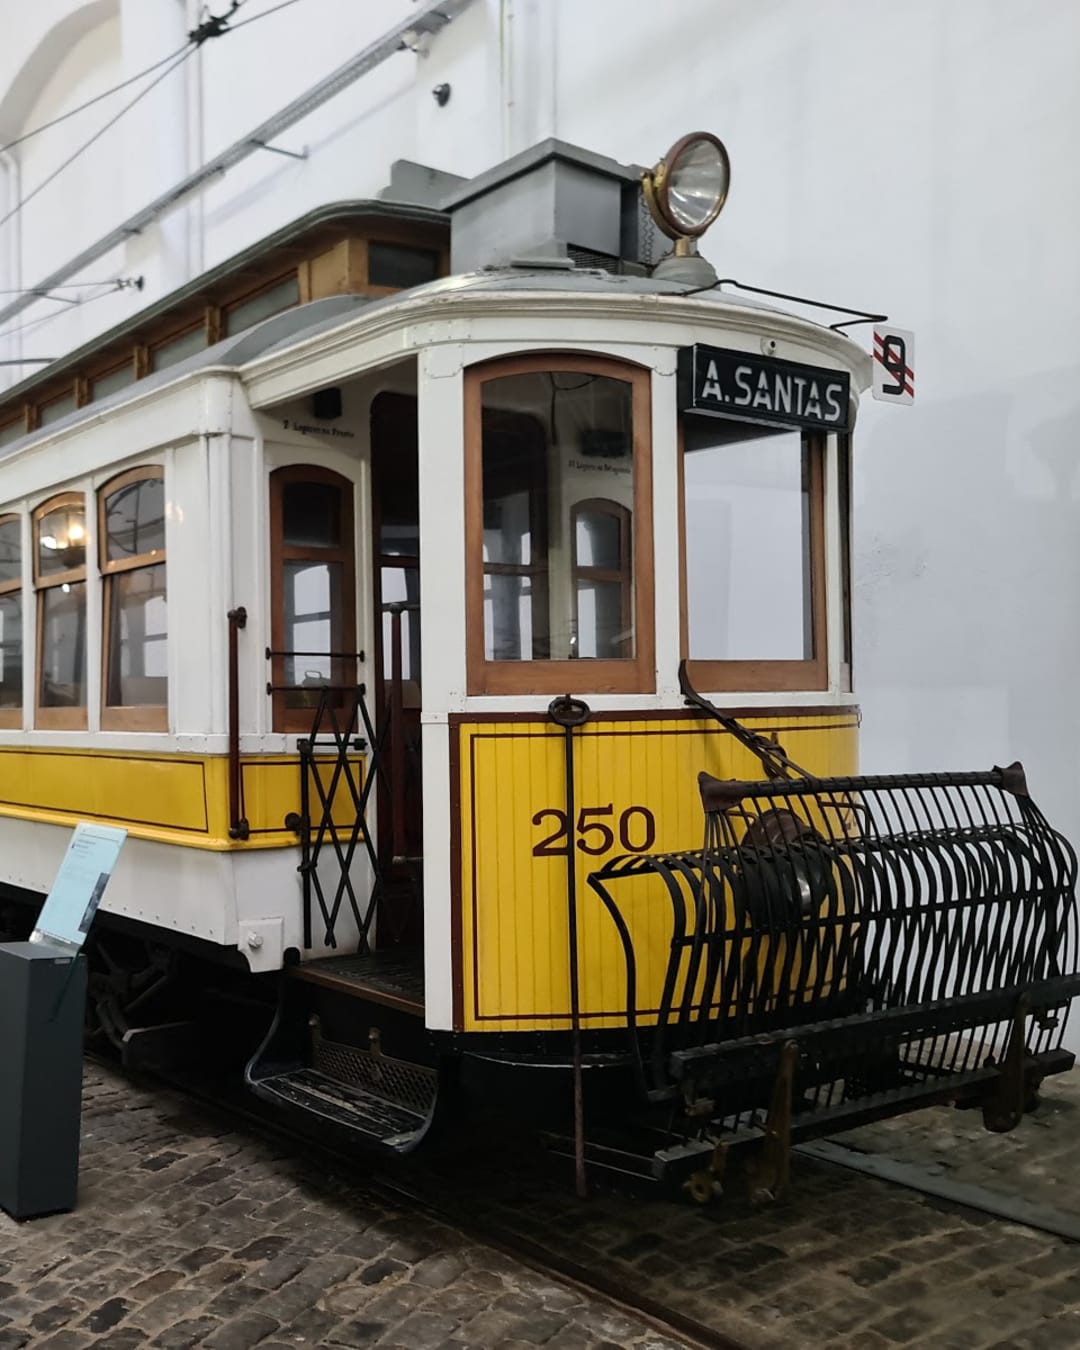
189	1234
849	1263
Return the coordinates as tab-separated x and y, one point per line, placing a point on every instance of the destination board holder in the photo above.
745	387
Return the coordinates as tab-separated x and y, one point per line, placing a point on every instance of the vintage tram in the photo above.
451	599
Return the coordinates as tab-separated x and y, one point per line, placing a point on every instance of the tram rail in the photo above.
422	1196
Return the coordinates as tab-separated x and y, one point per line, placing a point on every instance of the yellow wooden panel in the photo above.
635	790
272	791
173	798
150	790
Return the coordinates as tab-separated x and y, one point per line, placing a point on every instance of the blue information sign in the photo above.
70	906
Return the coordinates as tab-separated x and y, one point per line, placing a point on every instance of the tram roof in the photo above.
309	321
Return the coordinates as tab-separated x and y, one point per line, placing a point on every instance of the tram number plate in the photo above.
597	830
894	365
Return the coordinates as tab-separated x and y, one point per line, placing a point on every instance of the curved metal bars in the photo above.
890	924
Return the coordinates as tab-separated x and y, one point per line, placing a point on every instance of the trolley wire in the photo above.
212	26
98	98
52	177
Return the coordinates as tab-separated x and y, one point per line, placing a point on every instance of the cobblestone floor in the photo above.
188	1234
850	1263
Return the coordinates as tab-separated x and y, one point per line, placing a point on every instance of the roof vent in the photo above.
555	205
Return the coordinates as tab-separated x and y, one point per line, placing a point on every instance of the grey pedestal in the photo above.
42	1000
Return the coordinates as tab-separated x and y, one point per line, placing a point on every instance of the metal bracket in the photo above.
702	1186
1005	1109
277	150
771	1172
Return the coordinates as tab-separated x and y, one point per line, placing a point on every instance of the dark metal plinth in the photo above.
42	998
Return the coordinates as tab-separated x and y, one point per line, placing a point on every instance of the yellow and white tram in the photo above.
364	583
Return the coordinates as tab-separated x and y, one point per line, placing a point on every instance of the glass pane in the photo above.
551	441
11	651
138	674
247	313
747	546
52	412
11	431
314	627
10	550
116	379
603	629
513	618
311	515
62	540
135	519
179	348
63	646
599	540
401	585
392	265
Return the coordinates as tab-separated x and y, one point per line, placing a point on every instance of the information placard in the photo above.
70	906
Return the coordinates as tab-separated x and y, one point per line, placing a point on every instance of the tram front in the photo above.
646	845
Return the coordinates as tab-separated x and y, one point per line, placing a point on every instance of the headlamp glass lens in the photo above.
697	181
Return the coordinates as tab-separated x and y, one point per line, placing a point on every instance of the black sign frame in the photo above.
744	387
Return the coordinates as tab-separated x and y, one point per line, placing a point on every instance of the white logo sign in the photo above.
894	365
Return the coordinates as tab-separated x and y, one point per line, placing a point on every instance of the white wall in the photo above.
916	159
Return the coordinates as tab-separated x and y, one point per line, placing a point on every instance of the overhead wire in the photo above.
98	98
51	178
211	26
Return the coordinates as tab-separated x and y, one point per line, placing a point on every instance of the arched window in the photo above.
11	618
131	544
558	518
60	584
313	590
603	578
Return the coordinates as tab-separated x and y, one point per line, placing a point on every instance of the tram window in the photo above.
52	412
11	431
393	265
178	348
11	611
753	559
273	300
602	575
113	380
60	578
558	520
313	588
131	536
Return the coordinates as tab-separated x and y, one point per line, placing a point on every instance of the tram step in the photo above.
373	1120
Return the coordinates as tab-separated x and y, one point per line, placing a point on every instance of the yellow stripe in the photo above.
172	798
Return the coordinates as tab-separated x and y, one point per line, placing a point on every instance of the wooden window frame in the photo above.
56	719
11	719
285	720
624	577
750	676
636	675
119	716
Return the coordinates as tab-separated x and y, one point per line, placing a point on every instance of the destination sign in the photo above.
751	388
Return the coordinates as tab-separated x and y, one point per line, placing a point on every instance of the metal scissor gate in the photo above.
843	949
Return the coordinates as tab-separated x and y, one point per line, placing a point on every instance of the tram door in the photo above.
396	524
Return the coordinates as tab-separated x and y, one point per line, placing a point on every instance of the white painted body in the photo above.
916	161
221	430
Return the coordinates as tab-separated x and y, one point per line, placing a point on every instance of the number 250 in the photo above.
596	836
